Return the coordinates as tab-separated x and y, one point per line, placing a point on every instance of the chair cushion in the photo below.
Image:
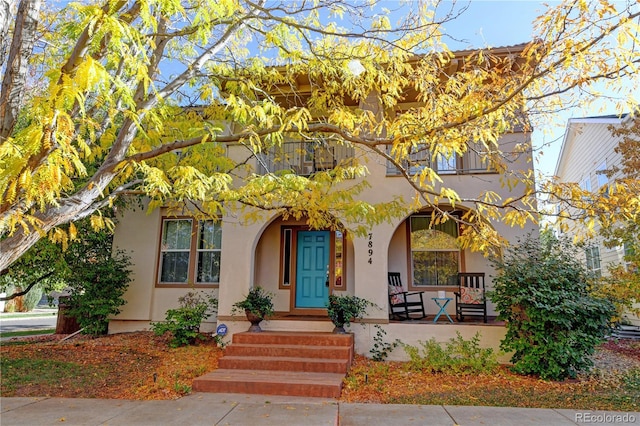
471	295
394	292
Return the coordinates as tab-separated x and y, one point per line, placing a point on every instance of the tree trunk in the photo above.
66	324
13	83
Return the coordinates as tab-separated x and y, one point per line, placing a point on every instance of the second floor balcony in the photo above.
304	157
473	161
307	157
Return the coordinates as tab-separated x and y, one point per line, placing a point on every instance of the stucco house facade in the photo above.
588	149
302	266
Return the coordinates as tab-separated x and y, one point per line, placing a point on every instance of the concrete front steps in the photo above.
282	363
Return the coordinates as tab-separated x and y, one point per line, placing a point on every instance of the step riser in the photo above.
287	389
279	351
266	338
283	365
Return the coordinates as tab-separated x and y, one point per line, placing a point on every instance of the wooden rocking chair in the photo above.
470	297
402	303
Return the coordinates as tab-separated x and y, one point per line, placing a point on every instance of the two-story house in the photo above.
588	150
301	266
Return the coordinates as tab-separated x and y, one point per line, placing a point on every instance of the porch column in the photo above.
237	263
371	267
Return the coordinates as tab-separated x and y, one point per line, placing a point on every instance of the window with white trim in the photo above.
601	175
592	254
629	251
184	259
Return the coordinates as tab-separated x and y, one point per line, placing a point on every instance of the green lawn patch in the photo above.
42	374
27	333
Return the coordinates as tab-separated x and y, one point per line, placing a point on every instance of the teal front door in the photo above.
312	271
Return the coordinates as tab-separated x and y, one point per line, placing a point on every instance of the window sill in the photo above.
186	285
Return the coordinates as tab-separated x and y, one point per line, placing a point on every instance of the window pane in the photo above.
429	239
176	235
435	268
434	251
449	227
175	267
339	248
424	268
601	176
448	268
596	257
419	223
446	165
209	267
210	236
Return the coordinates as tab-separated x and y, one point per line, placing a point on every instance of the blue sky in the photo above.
503	23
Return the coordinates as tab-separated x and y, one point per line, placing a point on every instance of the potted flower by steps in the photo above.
257	305
344	309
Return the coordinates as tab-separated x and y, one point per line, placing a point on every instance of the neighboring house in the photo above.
587	151
169	260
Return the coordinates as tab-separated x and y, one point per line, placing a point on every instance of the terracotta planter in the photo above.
254	320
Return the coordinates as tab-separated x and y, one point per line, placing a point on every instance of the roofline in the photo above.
602	119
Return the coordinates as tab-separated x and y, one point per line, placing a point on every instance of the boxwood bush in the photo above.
553	321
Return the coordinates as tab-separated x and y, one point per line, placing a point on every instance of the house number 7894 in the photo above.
370	248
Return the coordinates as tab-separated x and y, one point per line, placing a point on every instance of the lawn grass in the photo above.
27	333
28	314
47	373
126	366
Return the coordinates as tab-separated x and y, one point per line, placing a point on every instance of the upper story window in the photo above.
435	254
629	251
190	252
585	184
601	176
305	157
592	255
473	161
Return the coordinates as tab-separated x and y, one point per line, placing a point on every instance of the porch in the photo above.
410	332
492	321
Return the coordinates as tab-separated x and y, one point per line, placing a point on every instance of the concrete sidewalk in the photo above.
257	410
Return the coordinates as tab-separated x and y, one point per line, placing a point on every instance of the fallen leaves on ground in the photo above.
143	366
607	387
126	366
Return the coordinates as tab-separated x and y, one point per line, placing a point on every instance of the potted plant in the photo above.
257	305
344	309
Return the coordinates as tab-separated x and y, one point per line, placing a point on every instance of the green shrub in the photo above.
97	291
382	349
184	322
553	322
342	309
458	356
97	277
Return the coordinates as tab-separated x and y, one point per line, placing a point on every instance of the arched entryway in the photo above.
427	255
302	266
